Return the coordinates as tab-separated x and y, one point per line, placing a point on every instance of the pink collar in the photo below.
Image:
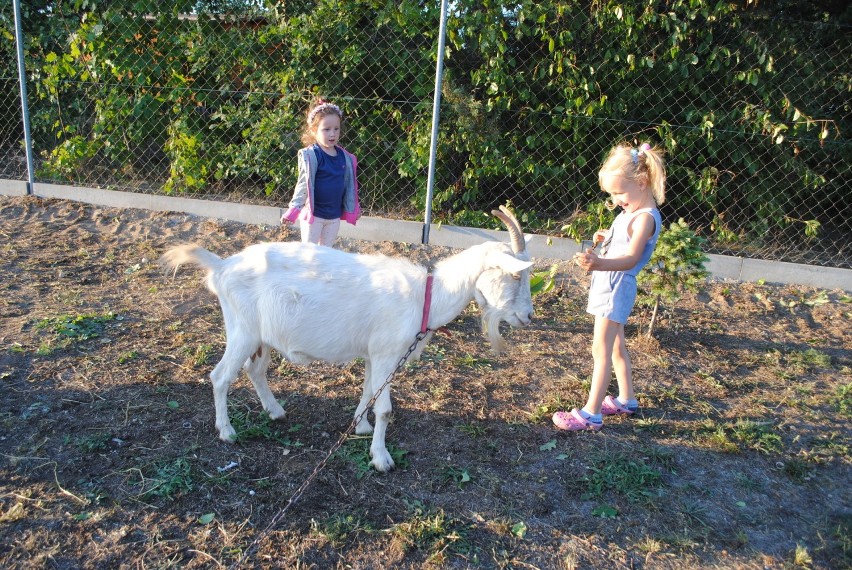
427	303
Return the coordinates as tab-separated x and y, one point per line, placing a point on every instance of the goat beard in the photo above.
491	327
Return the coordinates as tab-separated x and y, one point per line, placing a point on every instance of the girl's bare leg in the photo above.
603	347
622	366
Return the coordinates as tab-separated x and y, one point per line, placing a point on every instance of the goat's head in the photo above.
503	289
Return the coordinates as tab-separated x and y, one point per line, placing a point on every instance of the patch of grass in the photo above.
660	456
337	528
127	356
431	531
433	353
801	557
93	443
621	473
797	470
650	425
543	412
356	450
78	327
716	437
458	476
68	329
168	479
200	355
758	436
251	425
472	362
841	536
695	512
748	483
472	429
842	399
807	359
826	448
650	545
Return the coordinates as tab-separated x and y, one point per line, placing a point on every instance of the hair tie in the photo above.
636	153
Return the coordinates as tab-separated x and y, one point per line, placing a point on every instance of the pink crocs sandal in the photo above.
574	421
612	406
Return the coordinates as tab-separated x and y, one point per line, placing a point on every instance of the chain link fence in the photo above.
753	112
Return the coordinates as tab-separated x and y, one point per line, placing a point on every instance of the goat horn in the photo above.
514	227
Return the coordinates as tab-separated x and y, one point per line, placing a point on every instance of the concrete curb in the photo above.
380	229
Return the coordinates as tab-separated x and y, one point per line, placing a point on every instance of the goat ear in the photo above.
511	264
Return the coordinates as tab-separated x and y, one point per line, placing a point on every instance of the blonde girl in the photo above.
635	180
327	186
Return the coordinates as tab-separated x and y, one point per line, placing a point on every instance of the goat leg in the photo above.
256	367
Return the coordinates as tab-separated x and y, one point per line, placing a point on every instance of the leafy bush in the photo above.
677	266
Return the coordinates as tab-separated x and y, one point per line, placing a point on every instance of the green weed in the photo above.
68	329
473	430
127	356
842	534
336	529
356	450
251	425
695	512
168	479
797	470
458	476
200	355
621	473
650	424
472	362
757	435
433	353
77	328
716	437
93	443
842	399
807	359
543	412
801	557
433	532
749	483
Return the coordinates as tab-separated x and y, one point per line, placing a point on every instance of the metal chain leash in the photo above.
303	487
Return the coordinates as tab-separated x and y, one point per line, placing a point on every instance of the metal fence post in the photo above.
436	112
25	112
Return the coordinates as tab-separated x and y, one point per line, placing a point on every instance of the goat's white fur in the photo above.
311	302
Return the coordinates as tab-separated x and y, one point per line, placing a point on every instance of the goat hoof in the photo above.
228	435
363	429
277	413
382	461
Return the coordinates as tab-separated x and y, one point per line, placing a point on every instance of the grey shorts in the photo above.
612	295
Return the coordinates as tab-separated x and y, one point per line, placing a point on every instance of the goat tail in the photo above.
190	253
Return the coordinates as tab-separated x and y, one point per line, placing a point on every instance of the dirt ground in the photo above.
109	458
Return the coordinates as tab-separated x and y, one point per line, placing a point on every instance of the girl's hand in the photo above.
588	259
600	236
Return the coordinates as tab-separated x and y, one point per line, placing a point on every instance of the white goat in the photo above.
316	303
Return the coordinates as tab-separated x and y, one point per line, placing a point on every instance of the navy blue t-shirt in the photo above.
328	184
